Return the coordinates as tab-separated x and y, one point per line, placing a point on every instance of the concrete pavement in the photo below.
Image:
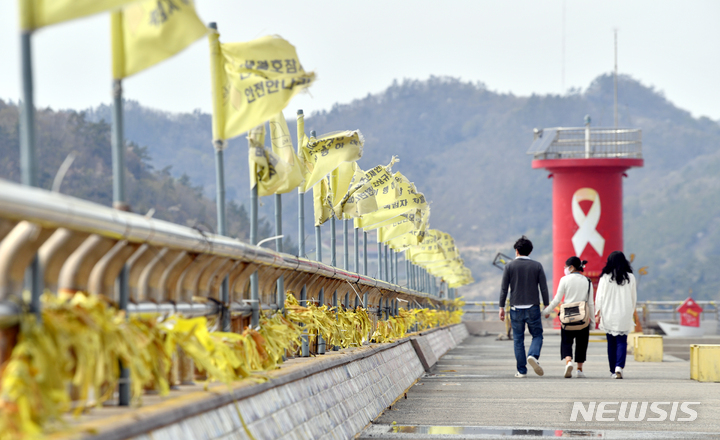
471	393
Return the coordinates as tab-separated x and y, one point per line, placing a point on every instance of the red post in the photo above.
587	210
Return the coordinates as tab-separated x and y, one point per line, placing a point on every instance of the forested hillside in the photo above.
464	146
60	133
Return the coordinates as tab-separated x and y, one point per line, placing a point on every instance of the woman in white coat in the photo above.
574	287
614	308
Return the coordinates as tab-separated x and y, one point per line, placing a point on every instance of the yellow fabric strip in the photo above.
147	32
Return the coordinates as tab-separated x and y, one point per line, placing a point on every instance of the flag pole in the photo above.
365	303
333	238
280	295
379	258
357	249
219	147
301	194
397	273
254	291
321	296
305	344
365	256
118	166
28	157
407	272
117	146
346	248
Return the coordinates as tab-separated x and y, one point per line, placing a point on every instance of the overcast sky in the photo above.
358	48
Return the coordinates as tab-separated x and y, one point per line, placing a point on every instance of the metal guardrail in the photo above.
587	142
82	246
645	309
648	308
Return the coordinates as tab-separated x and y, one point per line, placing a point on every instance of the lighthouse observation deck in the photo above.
586	143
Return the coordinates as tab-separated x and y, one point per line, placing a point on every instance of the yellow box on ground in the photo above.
632	341
705	362
648	348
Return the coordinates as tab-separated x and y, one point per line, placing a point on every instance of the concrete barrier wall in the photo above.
334	403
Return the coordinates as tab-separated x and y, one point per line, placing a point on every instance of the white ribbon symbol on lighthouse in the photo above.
587	223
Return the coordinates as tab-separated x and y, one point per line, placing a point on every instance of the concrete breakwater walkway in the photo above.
471	393
329	397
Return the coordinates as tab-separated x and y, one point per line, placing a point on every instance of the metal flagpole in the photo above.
318	243
254	293
333	249
279	247
117	146
389	254
301	194
118	166
28	159
397	272
305	344
357	249
219	146
321	296
346	248
387	265
407	274
222	222
379	258
335	305
321	341
365	257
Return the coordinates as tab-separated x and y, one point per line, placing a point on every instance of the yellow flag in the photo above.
359	198
288	165
403	198
436	251
428	251
35	14
340	180
321	202
401	225
324	154
330	190
404	242
252	81
414	237
447	244
147	32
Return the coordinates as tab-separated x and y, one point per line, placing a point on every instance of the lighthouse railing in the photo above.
571	143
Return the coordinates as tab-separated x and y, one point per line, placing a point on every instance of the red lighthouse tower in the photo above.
587	166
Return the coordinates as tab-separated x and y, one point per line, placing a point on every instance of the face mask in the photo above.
567	271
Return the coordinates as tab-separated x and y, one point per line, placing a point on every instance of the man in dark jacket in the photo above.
524	276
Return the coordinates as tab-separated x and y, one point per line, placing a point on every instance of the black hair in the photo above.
618	267
523	246
576	263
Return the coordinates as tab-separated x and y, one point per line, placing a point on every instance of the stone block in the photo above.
705	362
648	348
424	352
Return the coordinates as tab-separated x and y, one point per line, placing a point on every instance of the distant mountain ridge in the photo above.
464	147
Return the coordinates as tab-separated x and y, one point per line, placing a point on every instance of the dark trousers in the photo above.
617	351
581	338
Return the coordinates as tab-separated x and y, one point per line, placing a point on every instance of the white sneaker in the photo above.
535	365
618	373
580	375
613	376
568	370
519	374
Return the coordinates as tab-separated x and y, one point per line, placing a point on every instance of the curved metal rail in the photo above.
82	246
